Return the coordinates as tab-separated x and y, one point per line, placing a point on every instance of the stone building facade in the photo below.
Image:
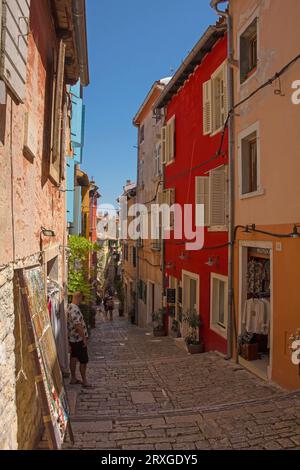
35	134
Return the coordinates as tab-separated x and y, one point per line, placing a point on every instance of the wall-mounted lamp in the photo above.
184	256
47	233
213	261
295	233
246	229
170	265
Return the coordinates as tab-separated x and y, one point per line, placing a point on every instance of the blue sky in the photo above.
132	43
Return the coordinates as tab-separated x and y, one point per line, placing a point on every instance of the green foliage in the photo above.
194	322
158	319
78	283
80	248
78	266
175	326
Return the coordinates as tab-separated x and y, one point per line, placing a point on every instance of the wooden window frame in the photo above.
248	40
218	77
215	324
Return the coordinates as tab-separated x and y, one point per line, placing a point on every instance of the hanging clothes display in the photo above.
254	341
259	277
58	323
256	316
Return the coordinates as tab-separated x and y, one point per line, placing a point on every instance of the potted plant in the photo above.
193	341
175	330
158	319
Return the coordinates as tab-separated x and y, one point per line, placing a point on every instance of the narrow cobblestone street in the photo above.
148	394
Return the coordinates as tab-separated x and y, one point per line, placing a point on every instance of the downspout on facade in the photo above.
79	18
232	333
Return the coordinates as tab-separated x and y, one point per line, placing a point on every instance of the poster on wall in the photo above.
51	376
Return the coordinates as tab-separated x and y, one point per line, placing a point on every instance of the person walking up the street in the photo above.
105	303
111	307
78	338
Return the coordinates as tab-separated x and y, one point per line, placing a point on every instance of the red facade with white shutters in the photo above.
196	108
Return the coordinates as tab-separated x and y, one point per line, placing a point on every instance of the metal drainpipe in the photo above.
215	5
79	18
163	245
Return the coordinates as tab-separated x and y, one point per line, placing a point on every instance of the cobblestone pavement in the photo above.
149	394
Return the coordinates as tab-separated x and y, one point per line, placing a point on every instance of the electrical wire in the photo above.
247	229
269	82
156	193
149	262
219	153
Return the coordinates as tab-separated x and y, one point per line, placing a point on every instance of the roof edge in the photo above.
171	89
157	84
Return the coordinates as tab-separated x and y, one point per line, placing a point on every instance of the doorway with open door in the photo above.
151	302
255	307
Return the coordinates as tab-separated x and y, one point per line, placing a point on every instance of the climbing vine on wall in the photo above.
80	249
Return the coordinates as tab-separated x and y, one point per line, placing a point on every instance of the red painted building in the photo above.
195	103
93	202
94	195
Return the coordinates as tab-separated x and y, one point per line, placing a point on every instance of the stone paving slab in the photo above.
155	396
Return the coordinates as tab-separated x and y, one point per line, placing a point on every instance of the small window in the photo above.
219	300
125	252
219	98
134	257
143	291
157	159
248	51
168	199
211	191
168	141
249	164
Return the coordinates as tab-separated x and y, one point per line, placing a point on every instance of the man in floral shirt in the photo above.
78	337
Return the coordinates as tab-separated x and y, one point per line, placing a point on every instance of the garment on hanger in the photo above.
256	316
58	322
253	316
258	277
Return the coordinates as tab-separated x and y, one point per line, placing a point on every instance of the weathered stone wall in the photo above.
8	412
20	413
28	201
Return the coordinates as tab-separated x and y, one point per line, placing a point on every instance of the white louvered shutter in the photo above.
202	197
224	97
218	197
172	139
14	47
58	111
207	108
164	144
172	201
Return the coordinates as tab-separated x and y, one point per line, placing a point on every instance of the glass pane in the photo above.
221	303
193	294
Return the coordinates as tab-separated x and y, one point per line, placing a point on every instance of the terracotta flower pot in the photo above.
159	333
196	348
